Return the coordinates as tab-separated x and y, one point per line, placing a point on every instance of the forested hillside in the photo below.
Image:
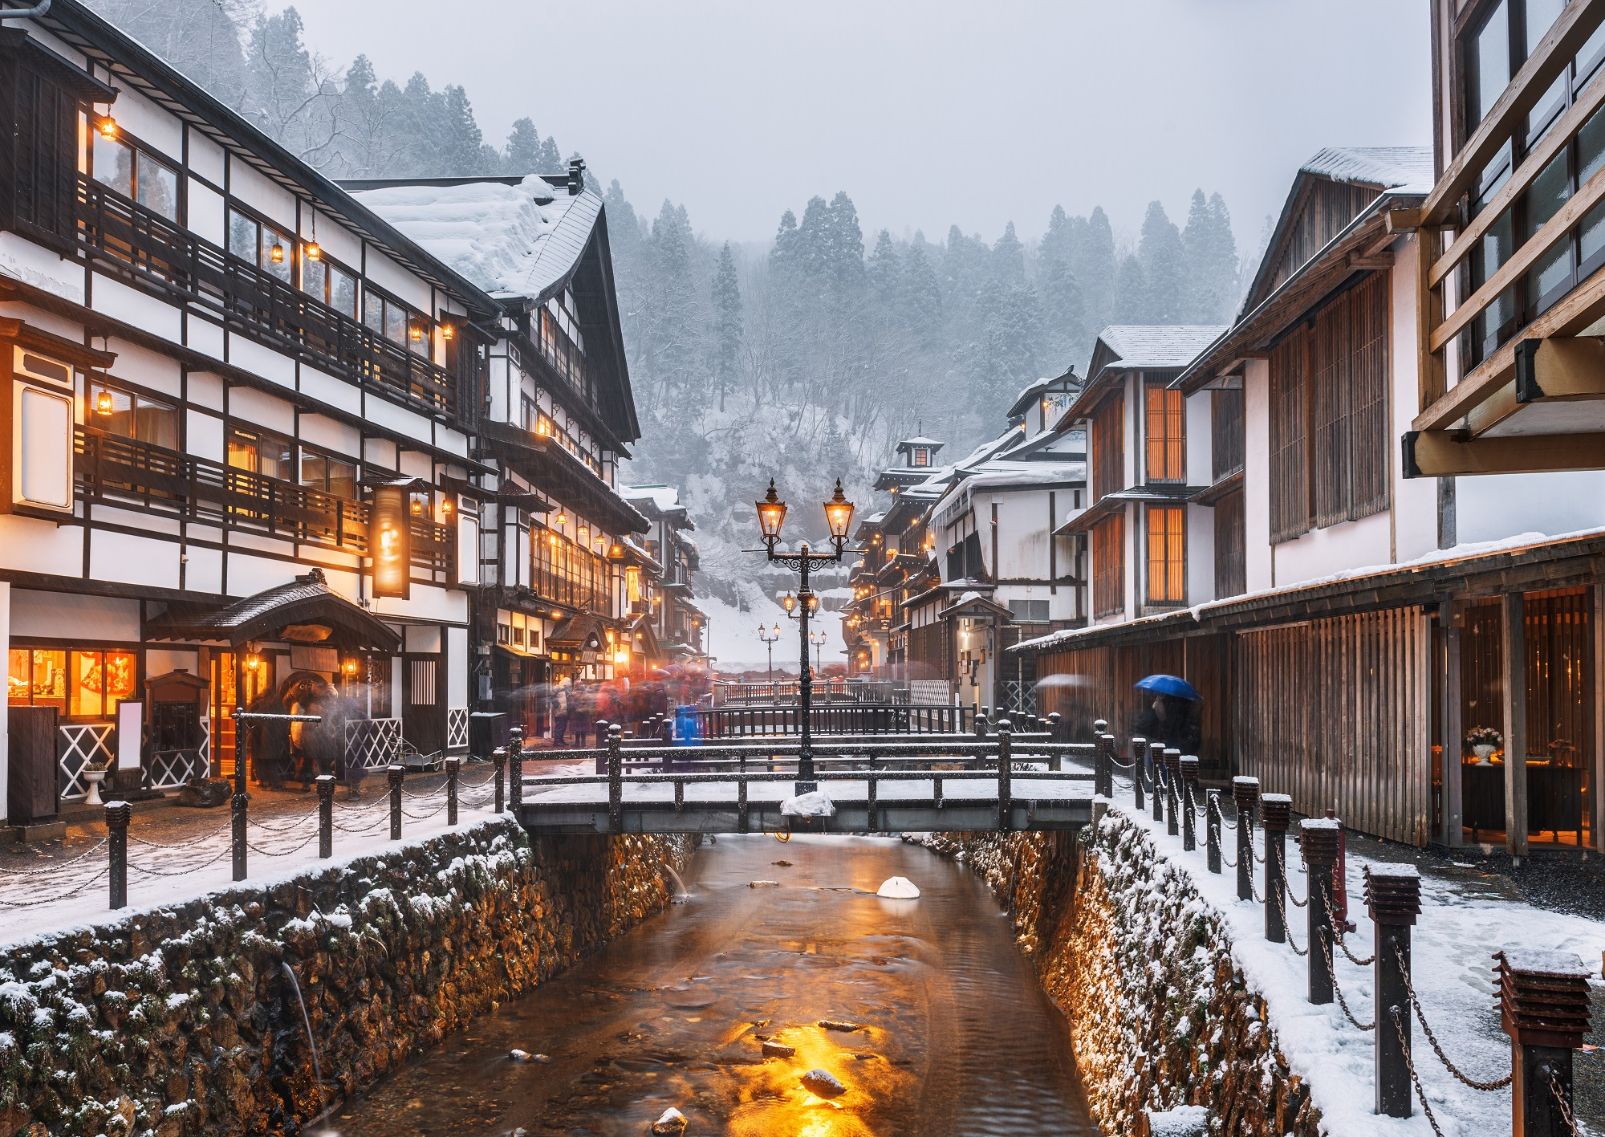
813	353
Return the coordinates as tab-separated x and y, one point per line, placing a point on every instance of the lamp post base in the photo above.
800	788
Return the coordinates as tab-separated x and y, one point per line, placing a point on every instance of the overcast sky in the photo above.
928	112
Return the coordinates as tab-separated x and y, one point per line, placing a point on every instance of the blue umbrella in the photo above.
1170	685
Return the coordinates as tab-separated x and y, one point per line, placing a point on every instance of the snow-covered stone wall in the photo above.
184	1021
1160	1015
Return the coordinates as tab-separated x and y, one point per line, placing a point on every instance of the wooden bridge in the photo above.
875	784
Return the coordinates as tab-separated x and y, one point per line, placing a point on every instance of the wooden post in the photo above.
453	769
1005	776
981	724
1156	769
741	805
1172	789
1245	791
1320	836
499	756
1453	806
1139	747
872	797
1393	897
1275	811
1103	782
325	816
395	774
238	807
1514	639
1189	824
1544	1008
515	771
118	814
1212	831
615	780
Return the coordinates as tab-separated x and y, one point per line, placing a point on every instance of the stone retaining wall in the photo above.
1160	1015
183	1021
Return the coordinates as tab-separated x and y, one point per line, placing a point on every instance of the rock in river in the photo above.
837	1024
899	888
778	1050
823	1084
671	1124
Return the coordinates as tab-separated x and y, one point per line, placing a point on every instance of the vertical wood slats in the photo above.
1109	448
1337	714
1109	566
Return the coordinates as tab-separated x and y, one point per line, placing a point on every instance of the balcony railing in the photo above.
122	471
254	302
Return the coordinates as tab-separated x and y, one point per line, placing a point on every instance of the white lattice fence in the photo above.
457	730
82	743
373	742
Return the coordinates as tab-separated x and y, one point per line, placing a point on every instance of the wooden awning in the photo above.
306	610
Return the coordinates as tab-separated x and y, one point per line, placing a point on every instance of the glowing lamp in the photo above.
276	253
107	127
448	331
417	506
776	630
562	519
543	426
415	330
838	513
789	603
314	251
771	512
103	405
615	552
349	667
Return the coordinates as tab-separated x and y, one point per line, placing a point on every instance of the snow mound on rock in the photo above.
814	804
899	888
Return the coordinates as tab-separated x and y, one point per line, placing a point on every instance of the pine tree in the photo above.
1094	267
1008	258
1159	248
522	154
922	295
1064	316
1131	295
1211	255
461	144
727	314
885	270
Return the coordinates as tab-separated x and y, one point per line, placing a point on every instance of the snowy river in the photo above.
955	1037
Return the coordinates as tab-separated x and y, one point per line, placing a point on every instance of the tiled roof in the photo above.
1158	345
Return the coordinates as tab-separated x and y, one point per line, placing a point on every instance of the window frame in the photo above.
409	315
1171	542
138	149
137	397
1171	440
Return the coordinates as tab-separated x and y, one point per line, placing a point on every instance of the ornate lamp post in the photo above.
838	515
769	638
818	640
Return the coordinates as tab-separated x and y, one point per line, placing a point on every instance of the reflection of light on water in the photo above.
776	1104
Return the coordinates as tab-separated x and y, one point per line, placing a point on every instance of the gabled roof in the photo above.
919	440
1153	347
1032	392
1381	167
304	610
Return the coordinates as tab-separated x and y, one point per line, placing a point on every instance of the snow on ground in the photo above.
1459	928
54	895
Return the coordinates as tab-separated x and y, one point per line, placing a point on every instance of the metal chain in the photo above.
185	870
1337	988
288	823
1564	1105
1297	903
56	866
1415	1079
1437	1047
1338	934
376	823
311	837
201	840
1288	932
441	808
43	901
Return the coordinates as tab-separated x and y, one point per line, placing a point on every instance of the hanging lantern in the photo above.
107	126
415	330
103	403
276	253
448	331
562	519
314	251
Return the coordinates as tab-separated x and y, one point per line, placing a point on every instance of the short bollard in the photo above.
1099	726
601	742
1103	781
238	806
981	724
499	756
1212	831
1543	1007
1005	776
1172	789
1156	768
1393	897
1189	782
1139	747
118	814
1275	813
515	770
1245	792
454	768
1319	836
1058	727
325	783
394	773
615	781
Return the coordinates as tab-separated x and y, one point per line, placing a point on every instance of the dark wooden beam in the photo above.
1446	453
1514	642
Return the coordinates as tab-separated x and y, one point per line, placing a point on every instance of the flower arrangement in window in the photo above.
1483	741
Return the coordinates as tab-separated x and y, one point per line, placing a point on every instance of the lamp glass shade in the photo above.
788	602
776	631
839	513
771	512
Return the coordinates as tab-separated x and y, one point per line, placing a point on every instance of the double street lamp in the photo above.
769	638
818	640
838	516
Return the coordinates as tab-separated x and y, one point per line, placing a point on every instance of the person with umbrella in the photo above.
1172	717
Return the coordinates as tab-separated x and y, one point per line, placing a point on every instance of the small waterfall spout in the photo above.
685	893
317	1070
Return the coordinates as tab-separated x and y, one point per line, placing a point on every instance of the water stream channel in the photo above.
956	1037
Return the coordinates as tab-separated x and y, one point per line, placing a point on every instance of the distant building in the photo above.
678	625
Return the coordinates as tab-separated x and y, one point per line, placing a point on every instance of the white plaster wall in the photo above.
41	268
160	373
1197	417
1320	552
152	125
205	157
269	199
458	663
204	213
1415	501
397	281
30	545
59	615
160	661
115	299
259	408
1258	568
339	242
261	360
1492	507
128	559
325	432
333	392
1200	553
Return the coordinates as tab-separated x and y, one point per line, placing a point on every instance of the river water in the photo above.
955	1036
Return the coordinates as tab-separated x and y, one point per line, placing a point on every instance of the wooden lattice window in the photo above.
1167	554
1109	566
1164	434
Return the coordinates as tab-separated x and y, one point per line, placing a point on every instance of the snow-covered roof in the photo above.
1388	167
1030	392
1142	346
1006	473
518	240
920	440
662	496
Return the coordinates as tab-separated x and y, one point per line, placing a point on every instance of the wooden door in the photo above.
423	713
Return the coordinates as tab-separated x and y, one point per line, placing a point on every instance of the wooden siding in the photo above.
1226	430
1108	439
1337	713
1328	414
1231	573
1109	566
1322	211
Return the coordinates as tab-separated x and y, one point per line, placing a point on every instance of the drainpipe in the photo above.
33	13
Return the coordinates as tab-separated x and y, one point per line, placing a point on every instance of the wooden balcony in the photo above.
128	238
123	472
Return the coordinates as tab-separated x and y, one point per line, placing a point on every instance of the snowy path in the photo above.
173	859
1461	924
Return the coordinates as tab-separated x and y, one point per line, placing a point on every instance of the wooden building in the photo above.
1361	617
1510	297
669	599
